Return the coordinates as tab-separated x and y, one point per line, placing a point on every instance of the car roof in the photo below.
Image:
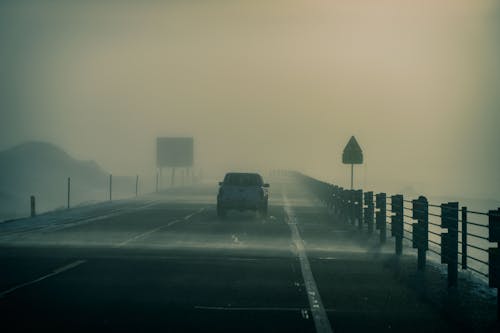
243	173
238	177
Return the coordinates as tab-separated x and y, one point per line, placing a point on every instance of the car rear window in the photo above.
243	179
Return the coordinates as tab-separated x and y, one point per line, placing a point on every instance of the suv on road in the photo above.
242	191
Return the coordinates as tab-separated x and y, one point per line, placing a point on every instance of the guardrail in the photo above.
458	235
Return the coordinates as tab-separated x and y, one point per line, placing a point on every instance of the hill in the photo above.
42	169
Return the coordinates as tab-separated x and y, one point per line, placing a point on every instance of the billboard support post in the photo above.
174	153
110	187
32	206
137	185
69	192
161	179
157	180
172	180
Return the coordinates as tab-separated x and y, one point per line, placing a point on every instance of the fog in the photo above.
263	85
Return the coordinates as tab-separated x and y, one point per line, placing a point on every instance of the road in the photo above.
168	264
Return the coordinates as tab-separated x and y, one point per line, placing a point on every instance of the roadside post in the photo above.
69	192
420	230
343	204
339	202
137	185
352	206
381	203
32	206
464	237
358	208
494	253
157	180
397	227
449	240
369	211
110	187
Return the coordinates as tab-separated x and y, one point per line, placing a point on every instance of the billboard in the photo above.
174	152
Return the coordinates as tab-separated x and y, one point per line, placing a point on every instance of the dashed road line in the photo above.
147	233
318	312
44	277
86	220
152	231
70	222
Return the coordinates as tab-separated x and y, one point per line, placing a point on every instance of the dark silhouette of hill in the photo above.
42	169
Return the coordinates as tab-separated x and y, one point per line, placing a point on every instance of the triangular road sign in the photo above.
352	152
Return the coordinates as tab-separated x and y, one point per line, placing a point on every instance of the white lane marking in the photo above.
6	236
54	272
318	312
152	203
139	236
193	214
326	258
149	232
81	222
85	220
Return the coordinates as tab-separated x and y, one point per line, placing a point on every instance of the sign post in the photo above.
352	155
173	153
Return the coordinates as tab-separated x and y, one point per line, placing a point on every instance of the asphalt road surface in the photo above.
166	263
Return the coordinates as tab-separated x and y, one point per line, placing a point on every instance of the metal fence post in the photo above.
358	206
337	202
137	185
331	197
32	206
464	237
381	202
343	204
110	187
369	211
494	254
420	230
449	240
157	181
335	193
344	208
69	192
352	207
397	221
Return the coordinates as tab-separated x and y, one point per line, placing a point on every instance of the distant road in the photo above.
168	264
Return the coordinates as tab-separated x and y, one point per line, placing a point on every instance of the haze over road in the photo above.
262	85
167	263
102	101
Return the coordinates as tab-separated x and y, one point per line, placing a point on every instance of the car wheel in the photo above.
263	212
221	212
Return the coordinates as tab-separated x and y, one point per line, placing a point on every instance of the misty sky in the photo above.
263	85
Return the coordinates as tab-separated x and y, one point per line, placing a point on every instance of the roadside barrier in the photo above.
459	236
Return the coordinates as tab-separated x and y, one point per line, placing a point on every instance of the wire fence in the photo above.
75	191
